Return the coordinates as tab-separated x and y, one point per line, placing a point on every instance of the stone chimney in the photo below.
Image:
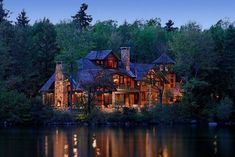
60	87
125	57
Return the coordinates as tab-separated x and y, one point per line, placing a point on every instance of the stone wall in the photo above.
61	92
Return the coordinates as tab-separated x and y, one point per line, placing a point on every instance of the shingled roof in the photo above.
164	59
98	55
140	70
46	87
87	69
84	64
48	84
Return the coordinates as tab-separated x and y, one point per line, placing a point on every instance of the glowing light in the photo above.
94	143
165	152
66	150
75	150
66	146
46	146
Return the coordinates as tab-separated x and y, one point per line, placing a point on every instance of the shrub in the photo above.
174	113
40	113
209	111
96	116
62	117
224	109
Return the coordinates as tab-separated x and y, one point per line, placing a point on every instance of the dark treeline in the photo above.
205	59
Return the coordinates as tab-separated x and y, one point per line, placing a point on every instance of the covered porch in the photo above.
118	100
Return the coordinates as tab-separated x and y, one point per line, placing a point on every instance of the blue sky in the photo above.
205	12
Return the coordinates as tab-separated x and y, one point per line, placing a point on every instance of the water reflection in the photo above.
118	142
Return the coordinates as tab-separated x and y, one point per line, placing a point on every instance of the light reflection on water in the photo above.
118	142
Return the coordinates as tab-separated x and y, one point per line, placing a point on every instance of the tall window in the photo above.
111	62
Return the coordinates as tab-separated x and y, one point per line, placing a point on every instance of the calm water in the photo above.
118	142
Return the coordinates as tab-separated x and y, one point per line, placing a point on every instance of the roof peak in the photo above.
100	54
164	59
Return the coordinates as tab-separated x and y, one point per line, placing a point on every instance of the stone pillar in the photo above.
125	57
61	93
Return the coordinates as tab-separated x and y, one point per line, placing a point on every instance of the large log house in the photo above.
137	85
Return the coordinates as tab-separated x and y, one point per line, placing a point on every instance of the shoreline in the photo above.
117	124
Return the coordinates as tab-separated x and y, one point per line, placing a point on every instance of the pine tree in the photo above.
81	19
4	14
22	19
154	22
169	26
44	49
228	60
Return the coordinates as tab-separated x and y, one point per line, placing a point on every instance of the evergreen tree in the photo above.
4	14
21	57
44	49
22	19
154	22
6	42
81	19
169	26
227	64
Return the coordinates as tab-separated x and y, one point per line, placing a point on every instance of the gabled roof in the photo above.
84	64
98	55
164	59
87	69
87	75
48	84
46	87
140	69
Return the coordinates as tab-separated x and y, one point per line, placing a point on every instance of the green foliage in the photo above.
195	98
105	35
224	109
81	19
4	14
16	108
22	19
44	50
193	50
61	117
205	62
97	117
169	26
176	113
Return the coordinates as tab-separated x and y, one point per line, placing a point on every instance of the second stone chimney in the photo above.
125	57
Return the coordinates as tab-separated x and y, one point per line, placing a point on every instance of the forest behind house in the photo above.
205	62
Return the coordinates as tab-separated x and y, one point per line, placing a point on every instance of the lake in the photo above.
159	141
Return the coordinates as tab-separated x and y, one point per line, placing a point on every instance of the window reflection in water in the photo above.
215	144
46	146
75	145
121	142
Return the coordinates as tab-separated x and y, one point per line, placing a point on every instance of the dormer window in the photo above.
110	62
99	62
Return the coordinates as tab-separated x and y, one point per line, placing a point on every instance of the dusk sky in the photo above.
205	12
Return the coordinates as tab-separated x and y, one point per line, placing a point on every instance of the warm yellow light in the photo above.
94	143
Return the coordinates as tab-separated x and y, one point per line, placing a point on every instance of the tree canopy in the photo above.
81	19
205	58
